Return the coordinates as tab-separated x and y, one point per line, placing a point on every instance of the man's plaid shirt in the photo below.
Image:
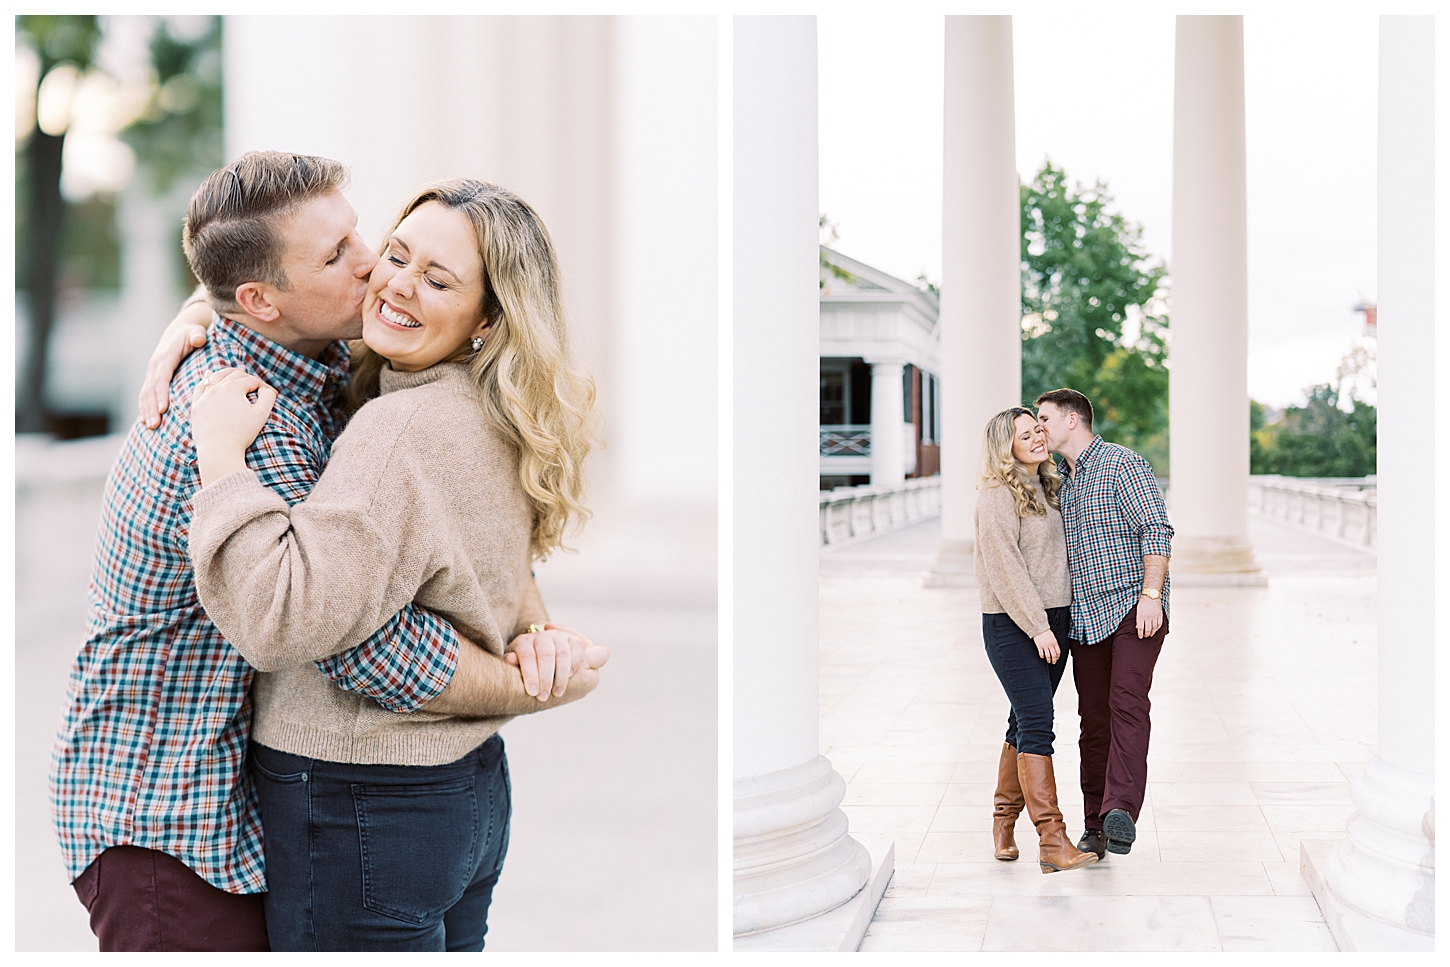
152	751
1114	514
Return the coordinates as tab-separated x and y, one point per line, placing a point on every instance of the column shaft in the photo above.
1378	887
981	298
1208	389
793	856
888	432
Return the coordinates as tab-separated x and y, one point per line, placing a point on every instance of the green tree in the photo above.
1092	311
1318	439
180	132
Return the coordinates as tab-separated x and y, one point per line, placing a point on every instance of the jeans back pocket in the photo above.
419	846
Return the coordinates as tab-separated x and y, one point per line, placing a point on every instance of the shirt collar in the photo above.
1086	454
287	372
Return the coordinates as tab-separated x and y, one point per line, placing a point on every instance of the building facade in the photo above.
880	389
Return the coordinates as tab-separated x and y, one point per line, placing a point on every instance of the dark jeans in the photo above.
1029	680
142	899
379	857
1113	678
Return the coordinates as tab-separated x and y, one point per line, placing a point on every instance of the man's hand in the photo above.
547	659
1150	616
1047	648
1150	610
483	685
185	333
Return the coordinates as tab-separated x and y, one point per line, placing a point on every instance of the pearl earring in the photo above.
477	343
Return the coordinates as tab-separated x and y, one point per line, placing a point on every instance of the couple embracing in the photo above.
1070	561
312	606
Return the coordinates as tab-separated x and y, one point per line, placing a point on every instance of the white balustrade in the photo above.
1343	509
846	440
853	513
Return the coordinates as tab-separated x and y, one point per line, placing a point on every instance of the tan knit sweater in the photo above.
1021	561
421	501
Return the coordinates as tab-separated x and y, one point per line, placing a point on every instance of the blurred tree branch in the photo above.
59	41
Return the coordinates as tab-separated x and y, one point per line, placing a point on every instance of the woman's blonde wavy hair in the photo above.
1000	467
530	388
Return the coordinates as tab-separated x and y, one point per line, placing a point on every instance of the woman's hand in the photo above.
1047	648
547	659
224	422
185	333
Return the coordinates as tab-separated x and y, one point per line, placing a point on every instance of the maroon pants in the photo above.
141	899
1113	678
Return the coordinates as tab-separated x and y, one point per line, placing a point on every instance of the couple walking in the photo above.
1070	562
312	606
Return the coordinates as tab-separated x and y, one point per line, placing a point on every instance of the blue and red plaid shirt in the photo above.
1113	512
152	750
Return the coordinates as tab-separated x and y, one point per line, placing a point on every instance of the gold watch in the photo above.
1150	593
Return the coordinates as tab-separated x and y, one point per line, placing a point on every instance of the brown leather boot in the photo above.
1006	804
1039	787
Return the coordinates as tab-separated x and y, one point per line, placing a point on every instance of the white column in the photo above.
981	301
888	433
150	227
794	858
1377	888
1208	388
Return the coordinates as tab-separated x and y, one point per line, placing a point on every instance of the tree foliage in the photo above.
180	132
1318	439
1093	315
60	38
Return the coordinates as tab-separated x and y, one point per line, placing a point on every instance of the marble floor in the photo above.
608	851
1263	711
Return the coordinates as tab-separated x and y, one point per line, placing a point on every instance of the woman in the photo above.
1021	559
462	469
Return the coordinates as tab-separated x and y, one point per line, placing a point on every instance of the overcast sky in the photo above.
1095	94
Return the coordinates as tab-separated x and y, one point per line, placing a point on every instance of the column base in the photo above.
841	928
1376	886
954	567
1215	562
1351	929
794	856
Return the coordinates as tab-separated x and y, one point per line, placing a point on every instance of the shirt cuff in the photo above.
1157	542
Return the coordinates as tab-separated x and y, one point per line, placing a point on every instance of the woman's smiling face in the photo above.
425	297
1029	444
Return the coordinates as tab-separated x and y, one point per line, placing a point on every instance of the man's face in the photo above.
1056	423
327	266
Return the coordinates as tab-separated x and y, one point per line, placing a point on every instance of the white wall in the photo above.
664	437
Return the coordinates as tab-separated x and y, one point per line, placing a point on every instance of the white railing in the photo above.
846	440
852	513
1344	509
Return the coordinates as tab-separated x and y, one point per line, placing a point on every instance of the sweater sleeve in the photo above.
288	585
998	530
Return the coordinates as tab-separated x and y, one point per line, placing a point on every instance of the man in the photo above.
1118	545
154	808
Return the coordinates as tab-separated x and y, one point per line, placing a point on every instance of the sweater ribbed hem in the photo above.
439	745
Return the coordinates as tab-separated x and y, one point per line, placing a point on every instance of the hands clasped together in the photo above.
548	659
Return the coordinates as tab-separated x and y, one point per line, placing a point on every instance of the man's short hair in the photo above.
1069	399
231	236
